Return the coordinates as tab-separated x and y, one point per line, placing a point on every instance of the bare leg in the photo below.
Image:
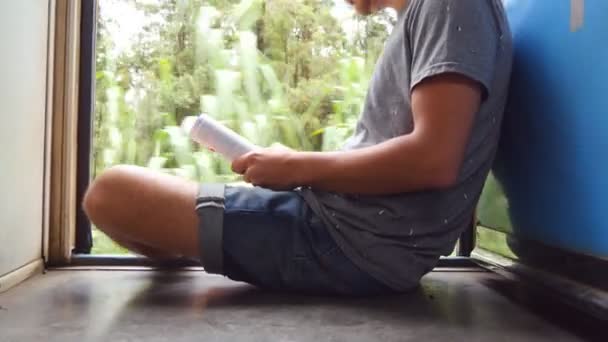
147	211
142	249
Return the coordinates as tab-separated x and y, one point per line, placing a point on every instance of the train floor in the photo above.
138	304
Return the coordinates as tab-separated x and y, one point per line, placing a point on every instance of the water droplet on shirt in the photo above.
411	231
459	28
501	36
493	120
466	196
333	214
338	227
415	245
448	8
445	221
381	212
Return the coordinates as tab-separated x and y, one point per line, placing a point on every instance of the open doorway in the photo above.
275	71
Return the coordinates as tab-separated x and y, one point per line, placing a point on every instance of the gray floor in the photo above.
143	305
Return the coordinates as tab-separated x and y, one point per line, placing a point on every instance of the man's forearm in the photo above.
398	165
430	157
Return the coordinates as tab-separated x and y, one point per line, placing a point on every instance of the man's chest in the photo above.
388	106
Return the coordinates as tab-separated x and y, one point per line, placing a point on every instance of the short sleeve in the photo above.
453	36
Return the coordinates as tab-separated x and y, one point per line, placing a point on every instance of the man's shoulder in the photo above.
458	9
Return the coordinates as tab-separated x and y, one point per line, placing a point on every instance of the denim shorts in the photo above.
273	240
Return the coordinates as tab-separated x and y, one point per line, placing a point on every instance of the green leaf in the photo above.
318	132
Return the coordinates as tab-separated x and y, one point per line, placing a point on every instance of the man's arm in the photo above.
444	107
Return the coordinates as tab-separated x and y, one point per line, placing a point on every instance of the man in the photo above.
372	218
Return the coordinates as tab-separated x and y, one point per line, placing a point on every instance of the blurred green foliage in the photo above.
285	71
274	71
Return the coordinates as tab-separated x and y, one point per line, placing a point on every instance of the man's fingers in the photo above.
246	178
239	165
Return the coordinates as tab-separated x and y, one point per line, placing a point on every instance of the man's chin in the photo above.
364	10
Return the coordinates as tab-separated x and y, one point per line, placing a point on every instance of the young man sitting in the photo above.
372	218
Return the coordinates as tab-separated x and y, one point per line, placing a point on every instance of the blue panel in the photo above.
553	162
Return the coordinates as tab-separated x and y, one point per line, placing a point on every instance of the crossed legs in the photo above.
147	212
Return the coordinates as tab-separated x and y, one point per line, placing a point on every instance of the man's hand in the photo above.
269	168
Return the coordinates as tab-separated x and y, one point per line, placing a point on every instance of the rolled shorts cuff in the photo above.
210	207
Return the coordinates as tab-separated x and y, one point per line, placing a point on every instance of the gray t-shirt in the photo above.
399	238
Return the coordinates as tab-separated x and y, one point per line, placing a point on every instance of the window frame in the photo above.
62	134
86	37
86	100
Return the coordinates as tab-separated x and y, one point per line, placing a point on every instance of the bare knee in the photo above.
103	197
140	205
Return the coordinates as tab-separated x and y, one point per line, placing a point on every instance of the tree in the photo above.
274	70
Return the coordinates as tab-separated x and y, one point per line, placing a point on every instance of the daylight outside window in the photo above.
275	71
